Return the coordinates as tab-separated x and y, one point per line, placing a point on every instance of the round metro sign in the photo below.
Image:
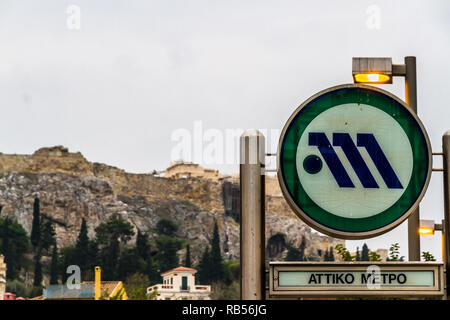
354	161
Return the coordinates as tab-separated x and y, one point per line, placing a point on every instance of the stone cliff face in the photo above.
70	188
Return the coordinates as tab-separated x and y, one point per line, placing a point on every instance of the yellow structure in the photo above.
98	281
2	276
88	290
107	289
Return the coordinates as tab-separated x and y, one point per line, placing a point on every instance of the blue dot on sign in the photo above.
312	164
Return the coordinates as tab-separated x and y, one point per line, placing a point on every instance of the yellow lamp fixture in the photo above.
427	227
372	70
377	78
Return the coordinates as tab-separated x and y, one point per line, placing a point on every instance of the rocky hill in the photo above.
71	188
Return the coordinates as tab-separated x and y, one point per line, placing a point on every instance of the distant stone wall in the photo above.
53	159
71	188
180	170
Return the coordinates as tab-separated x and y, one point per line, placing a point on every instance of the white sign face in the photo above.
353	161
355	278
341	126
304	279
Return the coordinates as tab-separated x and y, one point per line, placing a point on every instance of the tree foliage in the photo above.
167	251
427	256
86	252
358	256
67	258
142	246
217	271
136	287
204	268
54	267
112	230
331	254
35	236
373	256
48	235
187	261
344	253
111	235
13	245
365	253
166	227
394	253
37	270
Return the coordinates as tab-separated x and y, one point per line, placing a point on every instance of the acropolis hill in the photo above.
71	188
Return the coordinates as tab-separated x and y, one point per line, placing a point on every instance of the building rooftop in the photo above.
179	269
105	286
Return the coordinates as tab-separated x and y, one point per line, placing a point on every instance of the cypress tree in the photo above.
82	252
302	250
47	235
54	268
187	262
37	270
331	255
365	253
358	257
205	268
142	246
36	226
83	239
82	244
152	270
111	260
217	270
326	256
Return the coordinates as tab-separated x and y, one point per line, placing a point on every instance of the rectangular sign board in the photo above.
356	279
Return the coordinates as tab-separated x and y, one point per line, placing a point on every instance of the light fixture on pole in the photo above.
381	71
428	227
372	70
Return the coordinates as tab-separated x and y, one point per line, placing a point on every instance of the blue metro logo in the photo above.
338	171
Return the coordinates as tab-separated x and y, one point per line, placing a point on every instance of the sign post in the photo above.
354	161
446	226
252	219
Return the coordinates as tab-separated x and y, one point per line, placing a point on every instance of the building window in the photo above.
184	285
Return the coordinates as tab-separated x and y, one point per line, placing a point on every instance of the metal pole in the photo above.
411	101
252	219
446	226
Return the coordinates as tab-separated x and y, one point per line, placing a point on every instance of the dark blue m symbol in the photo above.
338	171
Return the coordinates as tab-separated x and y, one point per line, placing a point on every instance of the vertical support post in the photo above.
252	219
411	101
97	283
446	225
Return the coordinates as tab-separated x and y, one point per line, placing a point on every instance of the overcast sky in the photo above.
117	80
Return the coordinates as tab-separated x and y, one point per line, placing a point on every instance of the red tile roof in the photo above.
179	269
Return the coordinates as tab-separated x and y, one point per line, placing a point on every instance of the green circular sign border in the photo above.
325	221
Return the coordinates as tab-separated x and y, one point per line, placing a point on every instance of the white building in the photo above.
179	284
